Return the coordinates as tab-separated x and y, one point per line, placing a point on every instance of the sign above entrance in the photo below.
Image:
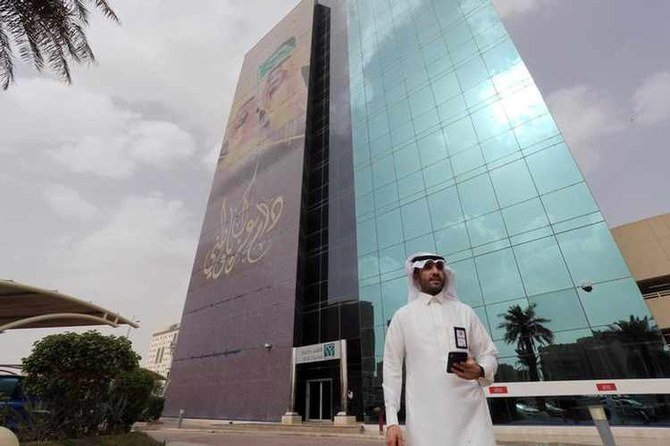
318	352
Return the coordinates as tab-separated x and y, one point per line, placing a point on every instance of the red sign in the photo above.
606	387
497	389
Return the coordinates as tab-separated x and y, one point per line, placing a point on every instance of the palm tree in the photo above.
639	335
46	32
526	329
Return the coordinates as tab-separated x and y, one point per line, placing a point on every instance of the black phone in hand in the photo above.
455	357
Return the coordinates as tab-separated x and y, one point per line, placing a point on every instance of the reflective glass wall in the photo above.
456	152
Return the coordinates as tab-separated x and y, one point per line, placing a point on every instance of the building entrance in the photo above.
319	400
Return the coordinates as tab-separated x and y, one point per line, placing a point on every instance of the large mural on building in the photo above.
241	296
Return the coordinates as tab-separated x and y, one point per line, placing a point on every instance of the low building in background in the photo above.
645	244
161	349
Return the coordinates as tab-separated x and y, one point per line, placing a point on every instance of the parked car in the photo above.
13	401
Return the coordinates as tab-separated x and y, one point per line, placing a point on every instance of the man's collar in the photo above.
427	299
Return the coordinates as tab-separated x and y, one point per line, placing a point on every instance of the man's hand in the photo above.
469	369
394	436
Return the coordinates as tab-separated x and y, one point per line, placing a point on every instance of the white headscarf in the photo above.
416	261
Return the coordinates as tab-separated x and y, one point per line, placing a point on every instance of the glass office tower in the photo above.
363	131
455	152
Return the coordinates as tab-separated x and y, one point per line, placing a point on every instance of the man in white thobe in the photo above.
442	408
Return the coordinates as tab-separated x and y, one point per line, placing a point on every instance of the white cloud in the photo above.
87	131
584	116
651	101
68	202
511	8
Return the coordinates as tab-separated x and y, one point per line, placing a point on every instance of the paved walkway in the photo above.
251	439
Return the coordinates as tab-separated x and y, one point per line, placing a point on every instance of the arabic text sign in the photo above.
318	352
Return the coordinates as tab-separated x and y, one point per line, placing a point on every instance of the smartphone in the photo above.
455	357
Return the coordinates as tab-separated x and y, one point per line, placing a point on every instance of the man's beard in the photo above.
429	288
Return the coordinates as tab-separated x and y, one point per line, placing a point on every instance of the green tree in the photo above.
641	337
46	33
75	374
526	329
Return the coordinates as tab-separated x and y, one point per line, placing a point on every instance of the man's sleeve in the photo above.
483	349
394	354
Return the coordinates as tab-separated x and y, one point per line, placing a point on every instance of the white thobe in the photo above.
441	408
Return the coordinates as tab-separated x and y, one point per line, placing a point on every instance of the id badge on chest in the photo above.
460	337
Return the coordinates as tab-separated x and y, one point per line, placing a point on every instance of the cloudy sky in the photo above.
103	183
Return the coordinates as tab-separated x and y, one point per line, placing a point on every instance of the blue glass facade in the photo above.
456	152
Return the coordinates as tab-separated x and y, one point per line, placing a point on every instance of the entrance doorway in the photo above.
319	400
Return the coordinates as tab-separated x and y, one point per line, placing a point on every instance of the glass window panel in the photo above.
480	93
392	258
510	78
386	195
434	51
496	315
396	94
592	255
380	337
373	295
460	135
402	133
524	217
445	87
477	196
410	185
452	239
378	125
573	201
613	301
467	160
481	315
499	276
432	149
416	77
445	208
491	35
426	121
389	228
439	66
467	283
425	243
364	205
366	234
553	168
562	308
542	266
513	183
483	19
490	121
394	295
457	35
416	219
368	265
486	229
421	101
452	109
380	146
535	131
499	146
438	173
383	171
363	180
472	72
407	160
464	52
399	113
361	154
523	105
501	57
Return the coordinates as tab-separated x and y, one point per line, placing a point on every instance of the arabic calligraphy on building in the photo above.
244	236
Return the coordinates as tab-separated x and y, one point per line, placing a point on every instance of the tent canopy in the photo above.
25	306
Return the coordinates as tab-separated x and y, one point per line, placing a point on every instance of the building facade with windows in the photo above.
161	349
366	130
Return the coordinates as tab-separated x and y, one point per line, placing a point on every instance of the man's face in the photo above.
430	278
